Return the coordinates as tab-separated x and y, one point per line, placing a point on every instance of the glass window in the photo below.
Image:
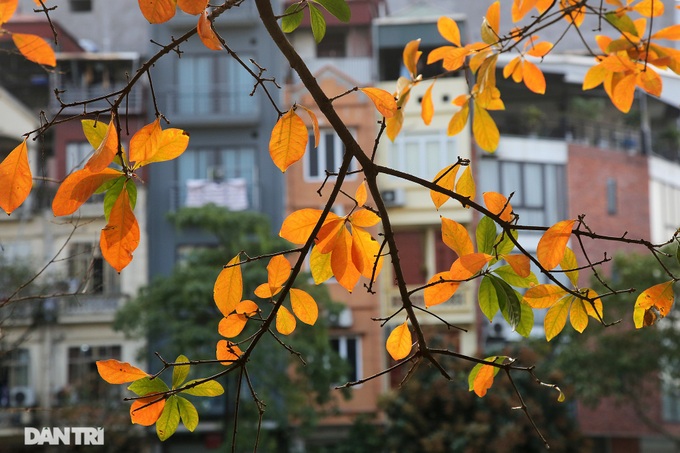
88	272
423	155
334	45
326	158
80	6
84	383
348	348
77	154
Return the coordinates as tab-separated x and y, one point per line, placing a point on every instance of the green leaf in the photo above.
505	244
209	388
623	23
486	235
114	191
188	413
338	8
556	318
147	385
292	17
508	275
167	423
107	185
132	192
677	254
488	300
94	131
180	373
526	319
508	302
318	23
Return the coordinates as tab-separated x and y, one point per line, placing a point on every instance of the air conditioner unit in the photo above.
393	198
21	396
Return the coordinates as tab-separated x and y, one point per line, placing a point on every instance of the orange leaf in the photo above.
15	178
445	178
228	289
384	102
247	307
659	296
364	218
578	316
341	262
623	93
459	120
399	343
543	296
520	264
466	185
192	7
364	252
288	140
510	68
449	30
411	55
361	194
484	129
520	8
456	237
439	290
594	77
650	81
158	11
329	235
493	17
541	49
297	227
499	205
115	372
672	33
35	49
427	107
468	265
594	310
120	237
315	125
533	77
106	151
278	271
232	325
158	145
304	306
146	416
227	352
207	34
551	247
484	380
7	9
649	8
78	187
145	142
264	291
285	321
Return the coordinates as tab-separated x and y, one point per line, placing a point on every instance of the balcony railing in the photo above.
69	94
200	104
50	310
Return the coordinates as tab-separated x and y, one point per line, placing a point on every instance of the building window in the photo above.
14	378
225	177
89	273
84	383
423	155
77	154
419	247
349	349
326	158
208	85
333	45
80	6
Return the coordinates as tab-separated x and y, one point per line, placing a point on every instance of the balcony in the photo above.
199	105
68	94
69	309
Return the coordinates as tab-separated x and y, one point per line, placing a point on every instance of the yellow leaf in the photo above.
95	132
533	77
449	30
399	343
384	102
445	178
144	143
7	9
569	266
573	14
459	120
484	129
578	316
207	34
660	296
106	151
411	55
192	7
393	125
342	264
35	49
228	289
649	8
278	271
361	194
540	49
315	125
120	237
427	107
247	307
439	289
493	17
78	187
288	140
594	77
595	309
158	11
144	415
456	237
672	33
484	380
285	321
298	226
468	265
466	184
623	93
543	296
232	325
650	81
329	235
227	352
304	306
521	264
364	218
365	252
320	265
115	372
552	245
556	318
499	205
510	68
15	178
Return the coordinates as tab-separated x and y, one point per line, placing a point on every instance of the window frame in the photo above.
321	154
356	371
